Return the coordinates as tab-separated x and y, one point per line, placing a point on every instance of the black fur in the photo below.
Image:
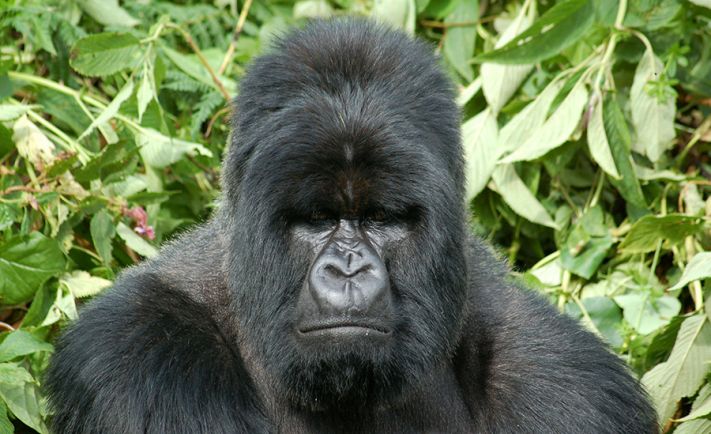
199	340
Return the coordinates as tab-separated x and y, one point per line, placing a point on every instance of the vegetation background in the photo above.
587	131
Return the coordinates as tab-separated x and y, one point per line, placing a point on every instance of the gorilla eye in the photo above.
321	216
378	216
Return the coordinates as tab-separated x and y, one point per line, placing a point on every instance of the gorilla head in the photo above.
344	188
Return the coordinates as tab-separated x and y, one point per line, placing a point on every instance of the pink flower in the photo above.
139	215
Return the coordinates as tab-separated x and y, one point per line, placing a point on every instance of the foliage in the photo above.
587	131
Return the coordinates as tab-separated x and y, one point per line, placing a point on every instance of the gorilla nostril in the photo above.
347	272
333	270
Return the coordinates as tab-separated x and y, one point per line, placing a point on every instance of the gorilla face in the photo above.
345	215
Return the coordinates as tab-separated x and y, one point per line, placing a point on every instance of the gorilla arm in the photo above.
525	367
147	341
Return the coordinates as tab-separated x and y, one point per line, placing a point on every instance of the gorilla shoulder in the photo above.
148	357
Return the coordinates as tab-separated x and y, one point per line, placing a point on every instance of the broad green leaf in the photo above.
697	426
135	242
82	284
21	395
587	244
650	229
26	262
31	143
684	371
159	151
146	90
605	315
191	66
127	187
458	44
653	119
50	304
702	404
560	27
468	92
597	139
107	12
697	269
312	9
550	274
20	343
479	138
6	426
555	130
440	8
105	53
501	81
519	128
704	3
102	232
10	112
519	197
111	109
618	137
646	314
399	13
652	14
586	262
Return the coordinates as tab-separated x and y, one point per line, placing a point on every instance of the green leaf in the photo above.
516	131
557	29
21	395
697	426
501	81
597	139
697	269
102	232
399	13
650	229
147	90
702	404
82	284
107	12
618	138
26	262
646	314
652	115
6	426
555	130
459	42
31	143
684	371
105	53
159	151
704	3
191	66
111	109
586	262
135	242
312	9
479	138
519	197
605	316
439	9
10	112
20	343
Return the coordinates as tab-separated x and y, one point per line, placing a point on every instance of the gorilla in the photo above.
338	288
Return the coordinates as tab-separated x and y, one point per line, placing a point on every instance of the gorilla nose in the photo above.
348	280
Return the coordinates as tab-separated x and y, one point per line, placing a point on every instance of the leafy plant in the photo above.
587	131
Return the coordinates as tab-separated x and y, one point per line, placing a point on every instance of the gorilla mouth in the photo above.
344	327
